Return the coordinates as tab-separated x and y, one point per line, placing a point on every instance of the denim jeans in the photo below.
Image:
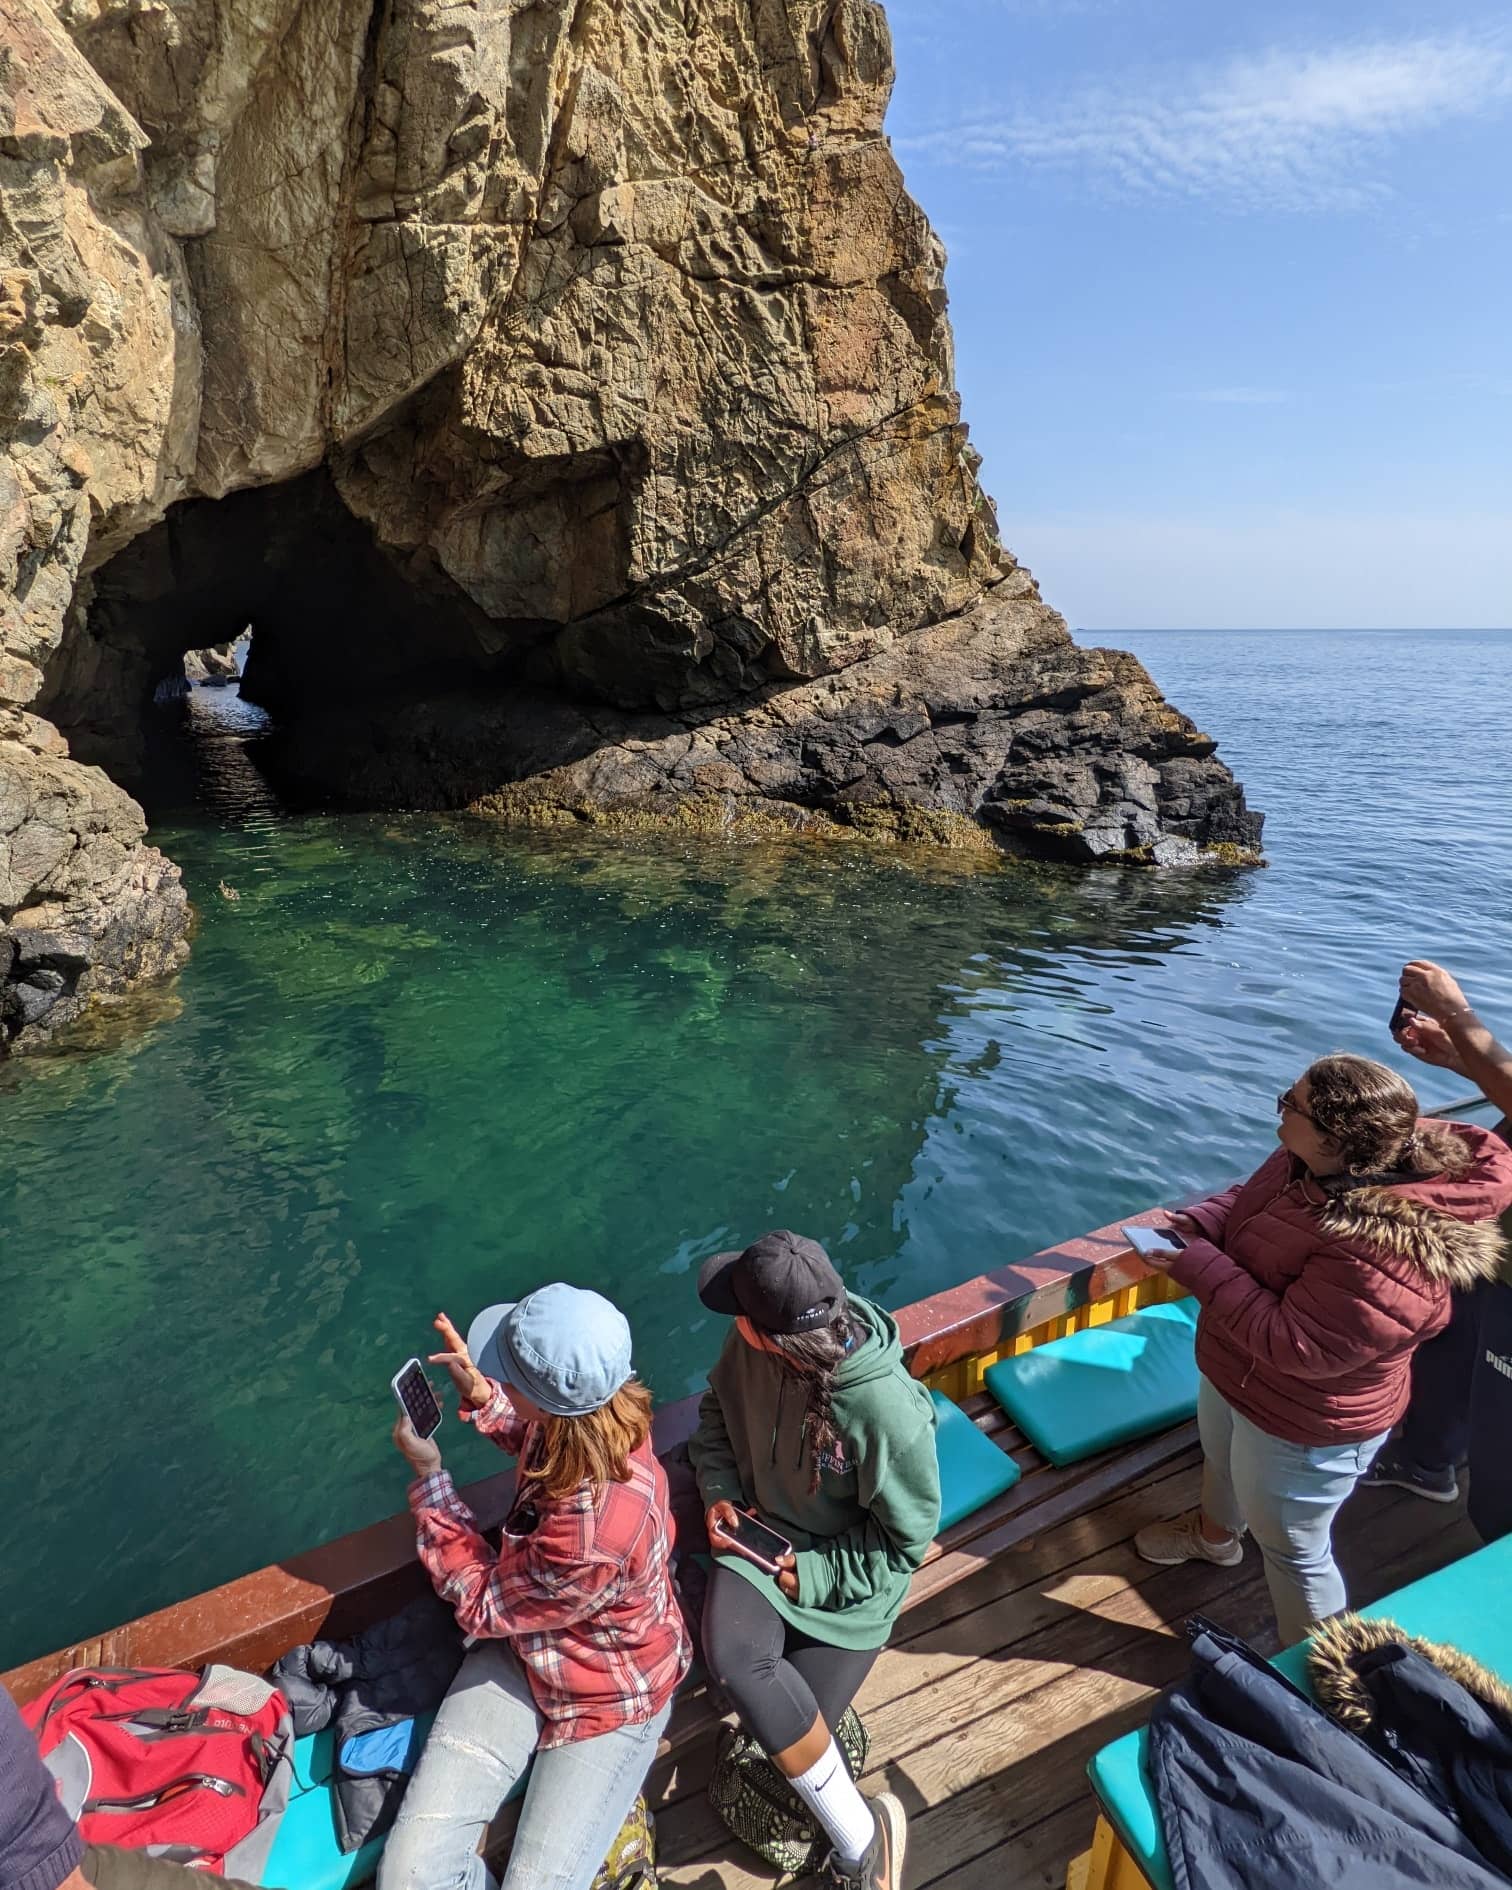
1287	1495
485	1735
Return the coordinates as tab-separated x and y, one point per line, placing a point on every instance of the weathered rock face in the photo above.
609	330
88	909
989	730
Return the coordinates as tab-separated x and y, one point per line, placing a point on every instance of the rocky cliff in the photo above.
576	374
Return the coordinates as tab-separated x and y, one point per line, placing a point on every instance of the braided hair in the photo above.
814	1356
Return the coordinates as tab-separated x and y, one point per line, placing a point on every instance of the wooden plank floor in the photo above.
985	1711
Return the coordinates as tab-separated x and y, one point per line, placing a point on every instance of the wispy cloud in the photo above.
1298	130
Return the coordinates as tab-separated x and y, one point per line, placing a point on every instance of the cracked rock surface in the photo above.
613	326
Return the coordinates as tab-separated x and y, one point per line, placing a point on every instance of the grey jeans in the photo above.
1287	1495
485	1735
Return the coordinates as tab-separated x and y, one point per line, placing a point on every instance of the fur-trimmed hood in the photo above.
1460	1253
1344	1649
1445	1223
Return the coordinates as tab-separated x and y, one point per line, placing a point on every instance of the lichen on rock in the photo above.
593	362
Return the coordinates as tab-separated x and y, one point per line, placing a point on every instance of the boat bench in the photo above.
1002	1488
1457	1605
1106	1403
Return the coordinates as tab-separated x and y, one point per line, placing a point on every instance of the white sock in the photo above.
829	1791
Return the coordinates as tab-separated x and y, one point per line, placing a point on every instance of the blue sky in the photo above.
1232	294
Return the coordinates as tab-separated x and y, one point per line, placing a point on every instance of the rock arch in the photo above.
600	354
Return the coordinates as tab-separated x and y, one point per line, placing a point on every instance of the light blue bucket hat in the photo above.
566	1348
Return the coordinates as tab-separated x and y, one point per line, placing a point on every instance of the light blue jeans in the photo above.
484	1737
1287	1495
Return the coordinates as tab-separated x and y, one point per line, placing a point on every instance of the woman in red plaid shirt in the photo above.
580	1645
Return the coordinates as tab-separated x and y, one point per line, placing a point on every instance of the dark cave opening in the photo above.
326	617
387	686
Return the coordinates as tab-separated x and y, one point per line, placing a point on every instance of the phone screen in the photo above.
413	1390
756	1539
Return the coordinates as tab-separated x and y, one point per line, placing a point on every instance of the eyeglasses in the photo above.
1287	1101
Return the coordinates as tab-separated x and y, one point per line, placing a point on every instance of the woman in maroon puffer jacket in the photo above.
1317	1277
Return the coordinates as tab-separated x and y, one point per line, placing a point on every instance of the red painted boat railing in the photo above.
343	1585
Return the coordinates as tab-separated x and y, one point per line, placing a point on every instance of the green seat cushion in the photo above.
1457	1605
1100	1387
972	1468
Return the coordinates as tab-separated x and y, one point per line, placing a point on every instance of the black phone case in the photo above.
421	1405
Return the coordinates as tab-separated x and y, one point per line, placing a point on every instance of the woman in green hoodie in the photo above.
812	1423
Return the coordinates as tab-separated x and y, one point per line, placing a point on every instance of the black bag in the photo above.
759	1806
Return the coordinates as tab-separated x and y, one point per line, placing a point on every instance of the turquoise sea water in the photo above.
420	1064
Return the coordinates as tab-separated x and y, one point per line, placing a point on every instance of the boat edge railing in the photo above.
949	1340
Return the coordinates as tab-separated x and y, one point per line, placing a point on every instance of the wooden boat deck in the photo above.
985	1710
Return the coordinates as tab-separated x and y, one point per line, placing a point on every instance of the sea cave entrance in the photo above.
277	589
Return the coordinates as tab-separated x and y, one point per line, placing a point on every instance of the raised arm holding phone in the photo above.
1461	1404
579	1642
1439	1025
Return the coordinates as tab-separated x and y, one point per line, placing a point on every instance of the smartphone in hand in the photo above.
417	1400
1401	1017
755	1542
1157	1240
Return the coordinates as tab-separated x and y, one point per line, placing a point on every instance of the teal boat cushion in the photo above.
314	1759
1457	1605
305	1855
972	1468
1097	1388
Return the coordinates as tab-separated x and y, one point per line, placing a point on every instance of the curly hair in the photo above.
1371	1115
813	1356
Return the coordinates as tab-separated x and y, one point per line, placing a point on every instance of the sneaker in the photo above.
882	1866
1183	1541
1391	1472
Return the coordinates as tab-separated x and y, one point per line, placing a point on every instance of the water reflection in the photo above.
202	754
420	1062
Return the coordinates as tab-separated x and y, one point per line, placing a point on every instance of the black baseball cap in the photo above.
782	1283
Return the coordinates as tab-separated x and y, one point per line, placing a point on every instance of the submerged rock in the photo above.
593	364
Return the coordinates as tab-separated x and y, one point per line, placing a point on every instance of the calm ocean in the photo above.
423	1064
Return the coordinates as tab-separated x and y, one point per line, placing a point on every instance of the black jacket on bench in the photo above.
1258	1787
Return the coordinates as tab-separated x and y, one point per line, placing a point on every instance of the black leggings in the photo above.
779	1679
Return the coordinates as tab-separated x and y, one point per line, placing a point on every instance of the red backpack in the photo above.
192	1767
